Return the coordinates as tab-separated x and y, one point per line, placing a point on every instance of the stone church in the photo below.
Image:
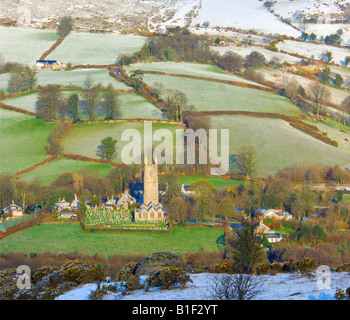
150	210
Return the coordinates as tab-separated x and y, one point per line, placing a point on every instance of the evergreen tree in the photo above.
247	247
107	148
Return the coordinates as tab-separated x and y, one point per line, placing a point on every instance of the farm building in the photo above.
48	64
13	209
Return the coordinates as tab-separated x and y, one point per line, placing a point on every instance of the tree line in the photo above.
52	104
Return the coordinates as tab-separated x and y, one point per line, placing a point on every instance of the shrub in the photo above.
343	268
224	267
42	272
340	294
98	293
133	283
263	269
306	265
168	278
126	273
81	271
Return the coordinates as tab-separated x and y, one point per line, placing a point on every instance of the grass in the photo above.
136	106
95	48
336	131
131	106
66	238
84	139
52	170
191	69
219	182
78	77
25	45
277	144
4	79
346	197
22	143
212	96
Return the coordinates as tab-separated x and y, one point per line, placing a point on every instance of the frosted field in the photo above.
248	14
274	287
78	77
336	131
84	139
89	48
191	69
136	106
310	50
212	96
268	54
277	143
25	45
4	79
28	101
277	76
131	106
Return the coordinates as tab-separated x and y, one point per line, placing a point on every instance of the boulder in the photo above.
159	261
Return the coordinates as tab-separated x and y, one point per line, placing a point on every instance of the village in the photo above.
245	106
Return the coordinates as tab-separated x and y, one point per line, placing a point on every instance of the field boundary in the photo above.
230	82
52	48
16	109
35	166
295	122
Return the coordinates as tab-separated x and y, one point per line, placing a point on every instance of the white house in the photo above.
14	210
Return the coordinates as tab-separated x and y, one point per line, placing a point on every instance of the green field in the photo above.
212	96
52	170
219	182
191	69
277	143
25	45
22	143
95	48
84	139
78	77
60	238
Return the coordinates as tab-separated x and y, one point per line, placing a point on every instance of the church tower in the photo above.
150	193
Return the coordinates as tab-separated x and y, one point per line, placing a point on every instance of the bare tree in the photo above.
319	94
291	88
235	287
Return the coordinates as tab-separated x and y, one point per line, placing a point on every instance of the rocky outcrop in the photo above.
160	261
